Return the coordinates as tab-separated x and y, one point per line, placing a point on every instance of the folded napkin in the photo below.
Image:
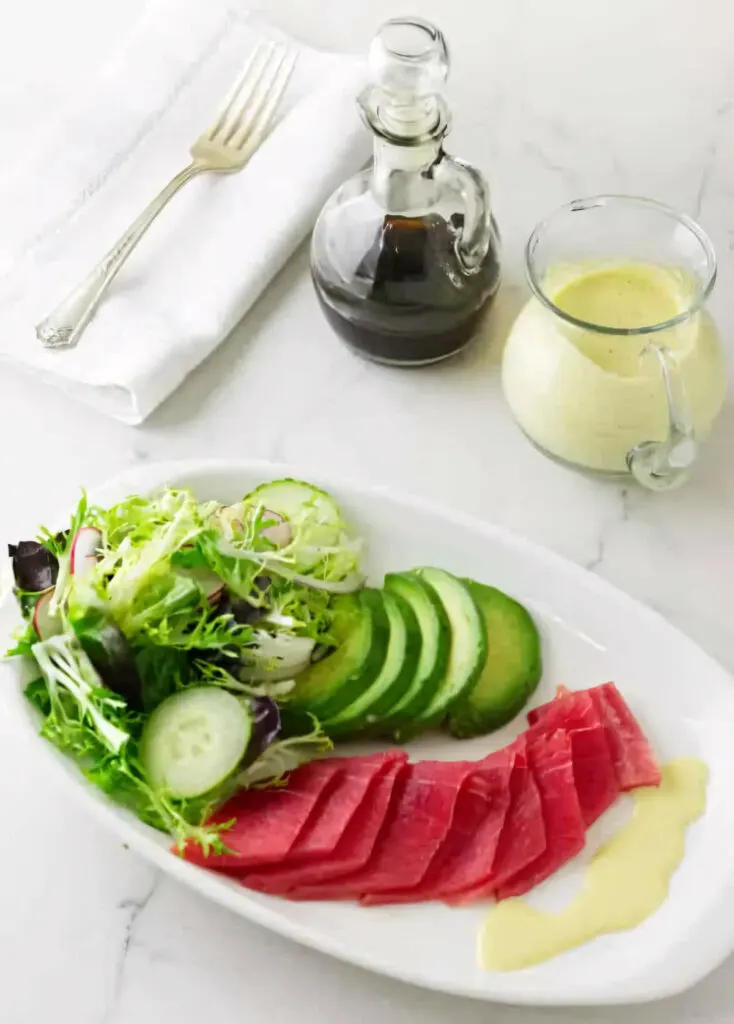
217	245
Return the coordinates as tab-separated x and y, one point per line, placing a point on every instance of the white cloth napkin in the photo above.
217	245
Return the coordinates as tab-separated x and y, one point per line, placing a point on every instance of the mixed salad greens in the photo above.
167	633
186	649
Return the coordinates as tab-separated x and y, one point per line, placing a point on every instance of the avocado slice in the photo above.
512	670
430	667
467	648
361	630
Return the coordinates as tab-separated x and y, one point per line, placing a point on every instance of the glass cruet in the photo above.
405	255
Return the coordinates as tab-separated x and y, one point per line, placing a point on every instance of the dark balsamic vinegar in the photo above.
411	302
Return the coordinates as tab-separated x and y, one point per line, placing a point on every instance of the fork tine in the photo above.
250	137
249	111
242	88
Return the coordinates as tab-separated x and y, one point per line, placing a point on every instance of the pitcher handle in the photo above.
477	232
661	465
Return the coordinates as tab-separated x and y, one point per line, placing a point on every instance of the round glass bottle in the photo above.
405	255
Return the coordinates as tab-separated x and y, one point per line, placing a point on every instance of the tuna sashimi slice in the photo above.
551	762
522	839
319	839
352	852
593	770
632	756
548	714
416	825
466	855
268	821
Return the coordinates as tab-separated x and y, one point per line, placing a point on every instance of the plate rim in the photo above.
153	474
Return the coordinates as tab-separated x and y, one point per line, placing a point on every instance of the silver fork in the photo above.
239	128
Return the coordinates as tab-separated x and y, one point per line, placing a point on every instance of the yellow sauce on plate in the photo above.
626	882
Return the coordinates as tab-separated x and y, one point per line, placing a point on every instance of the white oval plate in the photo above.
592	633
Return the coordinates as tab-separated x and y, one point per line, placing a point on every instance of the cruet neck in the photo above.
402	179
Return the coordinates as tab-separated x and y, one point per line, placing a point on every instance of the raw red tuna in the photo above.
522	839
382	831
549	756
465	857
268	821
543	715
593	770
416	825
318	840
632	756
353	850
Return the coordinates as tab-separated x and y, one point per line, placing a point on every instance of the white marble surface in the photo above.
553	100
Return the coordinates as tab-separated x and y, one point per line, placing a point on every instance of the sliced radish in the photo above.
44	623
230	519
85	550
280	532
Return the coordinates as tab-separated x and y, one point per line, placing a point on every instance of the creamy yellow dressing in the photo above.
626	881
627	296
624	295
588	397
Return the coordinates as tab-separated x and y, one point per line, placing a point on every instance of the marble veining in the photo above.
553	101
132	907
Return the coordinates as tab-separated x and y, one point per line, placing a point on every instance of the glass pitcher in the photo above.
614	365
405	255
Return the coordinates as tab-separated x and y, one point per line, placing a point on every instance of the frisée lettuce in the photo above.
160	595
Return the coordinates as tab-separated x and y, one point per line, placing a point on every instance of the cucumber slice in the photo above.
296	501
435	643
468	647
194	740
512	670
396	675
361	631
309	509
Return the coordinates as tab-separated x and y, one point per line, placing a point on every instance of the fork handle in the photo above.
64	326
